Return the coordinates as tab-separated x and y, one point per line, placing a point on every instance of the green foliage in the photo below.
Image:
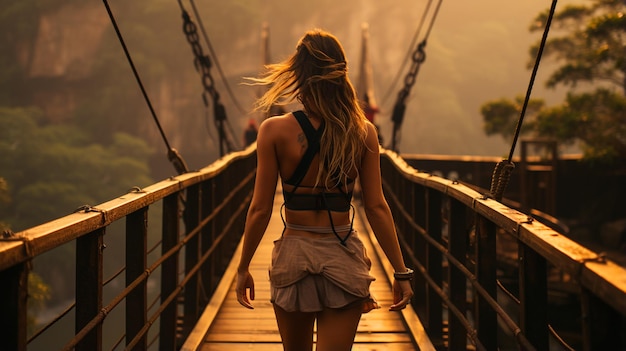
52	170
597	119
38	295
590	47
501	116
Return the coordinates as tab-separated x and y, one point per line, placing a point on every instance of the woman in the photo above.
319	270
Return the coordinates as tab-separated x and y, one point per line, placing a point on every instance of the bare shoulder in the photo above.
371	129
277	122
371	139
277	127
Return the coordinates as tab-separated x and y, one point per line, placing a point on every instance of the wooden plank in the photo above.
273	347
264	337
269	324
236	328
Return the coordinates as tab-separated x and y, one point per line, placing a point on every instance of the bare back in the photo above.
290	145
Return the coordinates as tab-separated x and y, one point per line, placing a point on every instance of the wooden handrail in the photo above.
209	205
435	215
448	229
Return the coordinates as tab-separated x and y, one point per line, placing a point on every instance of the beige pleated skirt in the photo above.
310	274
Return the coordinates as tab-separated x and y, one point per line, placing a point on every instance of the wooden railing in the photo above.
463	245
197	230
489	275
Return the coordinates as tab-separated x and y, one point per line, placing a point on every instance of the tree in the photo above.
38	295
592	47
501	115
53	169
590	50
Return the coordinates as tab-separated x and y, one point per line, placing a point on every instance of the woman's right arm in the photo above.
379	215
260	210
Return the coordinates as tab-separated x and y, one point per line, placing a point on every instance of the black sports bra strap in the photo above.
306	125
313	139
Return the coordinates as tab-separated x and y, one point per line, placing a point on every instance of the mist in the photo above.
477	51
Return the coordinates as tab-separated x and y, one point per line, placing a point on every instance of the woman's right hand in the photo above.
402	293
245	283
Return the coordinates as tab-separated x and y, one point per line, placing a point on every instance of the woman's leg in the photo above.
296	329
336	328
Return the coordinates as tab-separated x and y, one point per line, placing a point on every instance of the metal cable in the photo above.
532	77
502	171
53	322
418	56
408	53
172	154
203	64
217	63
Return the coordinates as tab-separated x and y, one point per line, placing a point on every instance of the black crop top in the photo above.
331	201
327	201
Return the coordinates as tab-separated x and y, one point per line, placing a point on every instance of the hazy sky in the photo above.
476	52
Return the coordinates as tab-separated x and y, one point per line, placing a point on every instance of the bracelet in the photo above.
408	275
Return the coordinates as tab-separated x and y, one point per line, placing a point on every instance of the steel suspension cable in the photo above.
502	171
215	60
418	56
532	77
203	64
218	67
172	154
408	53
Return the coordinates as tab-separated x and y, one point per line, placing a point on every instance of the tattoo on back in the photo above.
302	141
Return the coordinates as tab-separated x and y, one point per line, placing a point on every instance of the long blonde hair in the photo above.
316	75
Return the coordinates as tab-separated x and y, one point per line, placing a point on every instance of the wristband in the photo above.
408	275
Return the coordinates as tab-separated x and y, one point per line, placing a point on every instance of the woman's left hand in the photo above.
245	283
402	293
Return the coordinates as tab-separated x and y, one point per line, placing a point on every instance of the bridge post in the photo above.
457	244
434	229
533	297
416	210
485	271
209	279
169	272
220	191
89	270
603	327
13	297
192	255
136	263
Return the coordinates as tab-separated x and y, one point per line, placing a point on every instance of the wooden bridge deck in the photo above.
226	325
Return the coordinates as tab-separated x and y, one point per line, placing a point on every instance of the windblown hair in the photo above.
316	75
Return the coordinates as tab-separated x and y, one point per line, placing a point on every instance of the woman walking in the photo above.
319	270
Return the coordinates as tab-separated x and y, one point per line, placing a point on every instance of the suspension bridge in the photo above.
486	273
174	288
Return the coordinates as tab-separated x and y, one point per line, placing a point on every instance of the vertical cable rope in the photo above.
532	78
172	154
